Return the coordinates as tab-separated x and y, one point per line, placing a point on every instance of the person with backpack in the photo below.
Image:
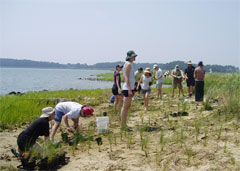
69	110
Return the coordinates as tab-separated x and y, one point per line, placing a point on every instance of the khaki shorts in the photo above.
177	84
159	85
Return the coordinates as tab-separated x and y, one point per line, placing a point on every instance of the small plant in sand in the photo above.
141	117
115	139
141	130
205	137
225	146
189	153
163	144
129	141
236	142
145	142
110	141
220	132
158	157
161	136
197	129
182	137
89	145
121	134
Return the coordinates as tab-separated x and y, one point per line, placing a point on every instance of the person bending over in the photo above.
69	110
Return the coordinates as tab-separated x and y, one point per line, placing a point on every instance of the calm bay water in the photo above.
32	79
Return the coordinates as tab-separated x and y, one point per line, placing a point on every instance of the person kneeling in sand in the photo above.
40	127
69	110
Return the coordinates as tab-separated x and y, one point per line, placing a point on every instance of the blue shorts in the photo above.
58	116
146	91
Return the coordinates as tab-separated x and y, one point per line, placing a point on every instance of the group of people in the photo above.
40	127
141	80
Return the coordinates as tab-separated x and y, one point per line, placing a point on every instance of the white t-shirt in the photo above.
158	74
71	109
131	77
145	82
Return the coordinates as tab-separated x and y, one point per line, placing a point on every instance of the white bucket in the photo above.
102	124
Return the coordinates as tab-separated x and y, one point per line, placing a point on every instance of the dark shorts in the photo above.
190	82
24	142
135	87
146	91
125	93
115	90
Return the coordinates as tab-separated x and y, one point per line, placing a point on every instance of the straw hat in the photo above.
147	70
189	63
47	111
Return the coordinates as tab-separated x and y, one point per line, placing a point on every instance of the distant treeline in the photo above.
6	62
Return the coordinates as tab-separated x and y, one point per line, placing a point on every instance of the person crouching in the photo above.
40	127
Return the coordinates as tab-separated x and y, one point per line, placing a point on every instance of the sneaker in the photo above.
16	154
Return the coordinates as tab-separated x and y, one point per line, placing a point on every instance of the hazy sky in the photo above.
91	31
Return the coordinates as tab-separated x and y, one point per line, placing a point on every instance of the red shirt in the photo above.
199	74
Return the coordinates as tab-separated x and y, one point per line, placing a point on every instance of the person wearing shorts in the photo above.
146	81
178	76
159	79
128	86
69	110
40	127
189	75
116	89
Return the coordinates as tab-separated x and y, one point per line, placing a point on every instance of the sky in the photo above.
93	31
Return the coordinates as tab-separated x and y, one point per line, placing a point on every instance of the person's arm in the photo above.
174	76
117	81
65	119
127	73
139	82
195	74
76	123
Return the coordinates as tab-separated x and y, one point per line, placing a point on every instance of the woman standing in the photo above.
128	86
146	81
116	89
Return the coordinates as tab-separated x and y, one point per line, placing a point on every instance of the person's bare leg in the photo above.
126	105
115	104
147	100
173	89
120	103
